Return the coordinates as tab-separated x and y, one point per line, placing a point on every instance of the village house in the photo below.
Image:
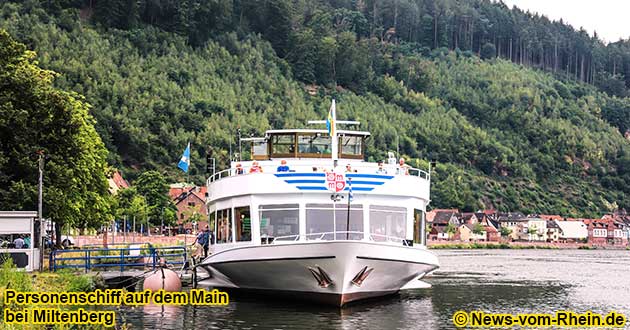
485	217
466	233
553	231
438	233
597	231
623	219
516	223
549	217
492	234
116	182
192	214
536	230
439	221
620	233
572	231
606	231
469	218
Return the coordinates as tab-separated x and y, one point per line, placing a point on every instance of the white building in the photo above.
572	231
17	238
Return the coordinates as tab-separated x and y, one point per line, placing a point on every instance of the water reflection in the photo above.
495	281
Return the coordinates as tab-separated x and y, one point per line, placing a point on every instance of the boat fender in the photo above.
162	279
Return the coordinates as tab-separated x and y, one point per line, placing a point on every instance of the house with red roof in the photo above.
191	203
117	182
469	218
606	231
551	217
492	234
439	221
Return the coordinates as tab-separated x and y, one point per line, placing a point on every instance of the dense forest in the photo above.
305	32
519	112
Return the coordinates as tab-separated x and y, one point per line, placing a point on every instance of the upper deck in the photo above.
309	162
309	176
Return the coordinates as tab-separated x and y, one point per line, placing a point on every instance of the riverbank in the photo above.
442	245
179	240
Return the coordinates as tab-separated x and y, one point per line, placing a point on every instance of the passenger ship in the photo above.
326	226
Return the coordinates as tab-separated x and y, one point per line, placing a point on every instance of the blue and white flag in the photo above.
350	196
184	162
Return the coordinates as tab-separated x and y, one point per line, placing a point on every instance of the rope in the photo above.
140	276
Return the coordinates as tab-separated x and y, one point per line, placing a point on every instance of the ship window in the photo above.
279	220
243	224
351	145
320	222
259	149
283	144
387	223
212	223
318	144
419	227
224	226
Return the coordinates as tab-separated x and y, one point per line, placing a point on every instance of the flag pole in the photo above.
348	216
333	133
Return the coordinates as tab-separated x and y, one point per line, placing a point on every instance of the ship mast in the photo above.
331	124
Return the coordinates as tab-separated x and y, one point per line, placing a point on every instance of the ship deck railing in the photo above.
305	167
337	236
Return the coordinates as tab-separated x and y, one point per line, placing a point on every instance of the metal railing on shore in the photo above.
116	258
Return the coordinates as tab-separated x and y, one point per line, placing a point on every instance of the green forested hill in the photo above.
504	135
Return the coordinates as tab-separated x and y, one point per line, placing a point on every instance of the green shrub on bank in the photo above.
12	278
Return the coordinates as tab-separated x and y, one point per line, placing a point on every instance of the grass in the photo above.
62	281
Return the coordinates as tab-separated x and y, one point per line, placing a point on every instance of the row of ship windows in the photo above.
282	220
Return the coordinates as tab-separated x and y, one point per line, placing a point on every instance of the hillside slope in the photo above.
504	136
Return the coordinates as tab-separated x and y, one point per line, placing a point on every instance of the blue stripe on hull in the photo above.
305	181
370	183
284	175
302	181
370	176
311	188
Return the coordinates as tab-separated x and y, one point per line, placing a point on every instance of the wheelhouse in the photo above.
307	143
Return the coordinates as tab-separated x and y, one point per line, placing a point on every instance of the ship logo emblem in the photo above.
335	182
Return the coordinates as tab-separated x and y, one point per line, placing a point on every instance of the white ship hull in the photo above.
331	272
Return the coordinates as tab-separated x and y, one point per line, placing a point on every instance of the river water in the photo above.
494	281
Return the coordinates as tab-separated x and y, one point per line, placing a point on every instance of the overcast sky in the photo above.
610	18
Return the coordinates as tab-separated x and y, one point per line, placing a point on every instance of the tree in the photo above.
36	116
488	51
153	187
451	229
131	205
505	231
532	231
478	229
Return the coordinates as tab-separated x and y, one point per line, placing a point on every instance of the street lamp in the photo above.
40	202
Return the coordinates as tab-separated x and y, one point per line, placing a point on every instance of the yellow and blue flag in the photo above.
330	121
